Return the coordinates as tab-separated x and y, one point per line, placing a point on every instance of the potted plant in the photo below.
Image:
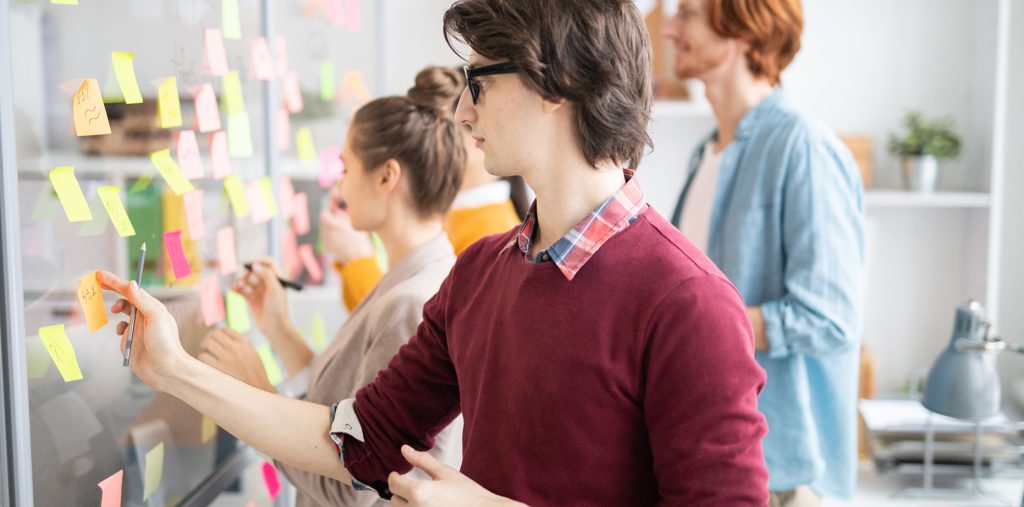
921	147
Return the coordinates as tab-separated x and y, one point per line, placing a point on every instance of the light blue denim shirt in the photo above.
787	228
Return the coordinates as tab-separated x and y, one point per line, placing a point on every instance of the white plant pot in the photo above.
920	174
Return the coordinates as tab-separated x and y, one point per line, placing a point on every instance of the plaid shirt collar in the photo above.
574	249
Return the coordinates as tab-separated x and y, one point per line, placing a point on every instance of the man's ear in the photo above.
388	175
552	106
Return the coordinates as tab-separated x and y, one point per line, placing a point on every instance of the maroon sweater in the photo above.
633	384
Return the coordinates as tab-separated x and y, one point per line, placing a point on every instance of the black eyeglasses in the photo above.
487	70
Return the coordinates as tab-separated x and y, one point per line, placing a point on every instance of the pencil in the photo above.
131	323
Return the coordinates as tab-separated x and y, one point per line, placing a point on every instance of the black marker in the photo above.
284	283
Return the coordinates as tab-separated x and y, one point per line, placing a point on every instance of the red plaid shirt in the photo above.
574	249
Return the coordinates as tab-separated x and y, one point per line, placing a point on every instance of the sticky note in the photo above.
88	111
226	259
38	362
169	103
334	12
169	171
290	253
154	470
270	479
300	216
238	312
356	85
63	354
70	194
230	21
188	155
239	135
292	93
286	193
262	59
254	194
209	429
234	101
331	166
237	195
193	202
327	81
353	20
319	332
311	263
90	296
176	255
268	195
111	490
124	69
280	56
142	183
64	2
219	158
110	196
284	129
269	364
211	301
207	111
304	144
215	58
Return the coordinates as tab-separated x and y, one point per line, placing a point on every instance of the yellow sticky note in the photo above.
64	2
38	362
88	111
239	135
270	364
209	429
111	198
234	101
70	194
319	332
169	104
327	81
124	68
63	354
268	196
90	296
238	312
236	194
230	22
304	144
154	470
169	171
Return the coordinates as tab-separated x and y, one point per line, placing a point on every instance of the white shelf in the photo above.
905	199
681	109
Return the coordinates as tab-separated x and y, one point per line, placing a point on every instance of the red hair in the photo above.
771	27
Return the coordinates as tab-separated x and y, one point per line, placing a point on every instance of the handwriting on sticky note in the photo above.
236	194
239	135
212	301
215	58
331	166
154	472
304	144
63	354
187	151
70	194
111	490
209	429
230	22
124	69
90	296
311	263
238	312
234	101
327	81
292	93
270	364
110	196
284	129
219	158
262	59
226	259
169	171
319	332
193	202
254	193
300	216
207	111
270	479
169	103
88	111
176	255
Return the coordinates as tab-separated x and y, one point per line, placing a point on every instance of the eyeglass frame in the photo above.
487	70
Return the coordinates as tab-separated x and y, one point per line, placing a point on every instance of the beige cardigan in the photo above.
364	345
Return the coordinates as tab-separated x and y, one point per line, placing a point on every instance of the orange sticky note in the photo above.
63	354
304	145
193	202
284	129
169	171
311	263
188	155
215	58
219	158
110	196
226	259
254	192
356	85
212	301
70	194
292	93
262	59
236	194
124	68
88	111
176	255
169	103
111	488
300	213
90	296
207	111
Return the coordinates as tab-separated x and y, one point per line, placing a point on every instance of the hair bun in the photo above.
437	89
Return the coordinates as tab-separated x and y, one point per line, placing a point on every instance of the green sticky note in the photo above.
230	22
234	101
270	364
319	332
124	68
304	145
70	194
154	470
238	312
239	135
142	183
327	81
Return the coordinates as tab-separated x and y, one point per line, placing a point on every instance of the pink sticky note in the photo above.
194	214
287	195
258	205
270	480
215	58
312	264
300	213
212	301
330	165
111	488
284	129
353	20
290	253
280	56
334	14
176	255
292	93
207	111
262	59
226	251
219	158
187	154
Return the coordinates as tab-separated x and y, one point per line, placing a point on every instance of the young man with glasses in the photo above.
596	355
